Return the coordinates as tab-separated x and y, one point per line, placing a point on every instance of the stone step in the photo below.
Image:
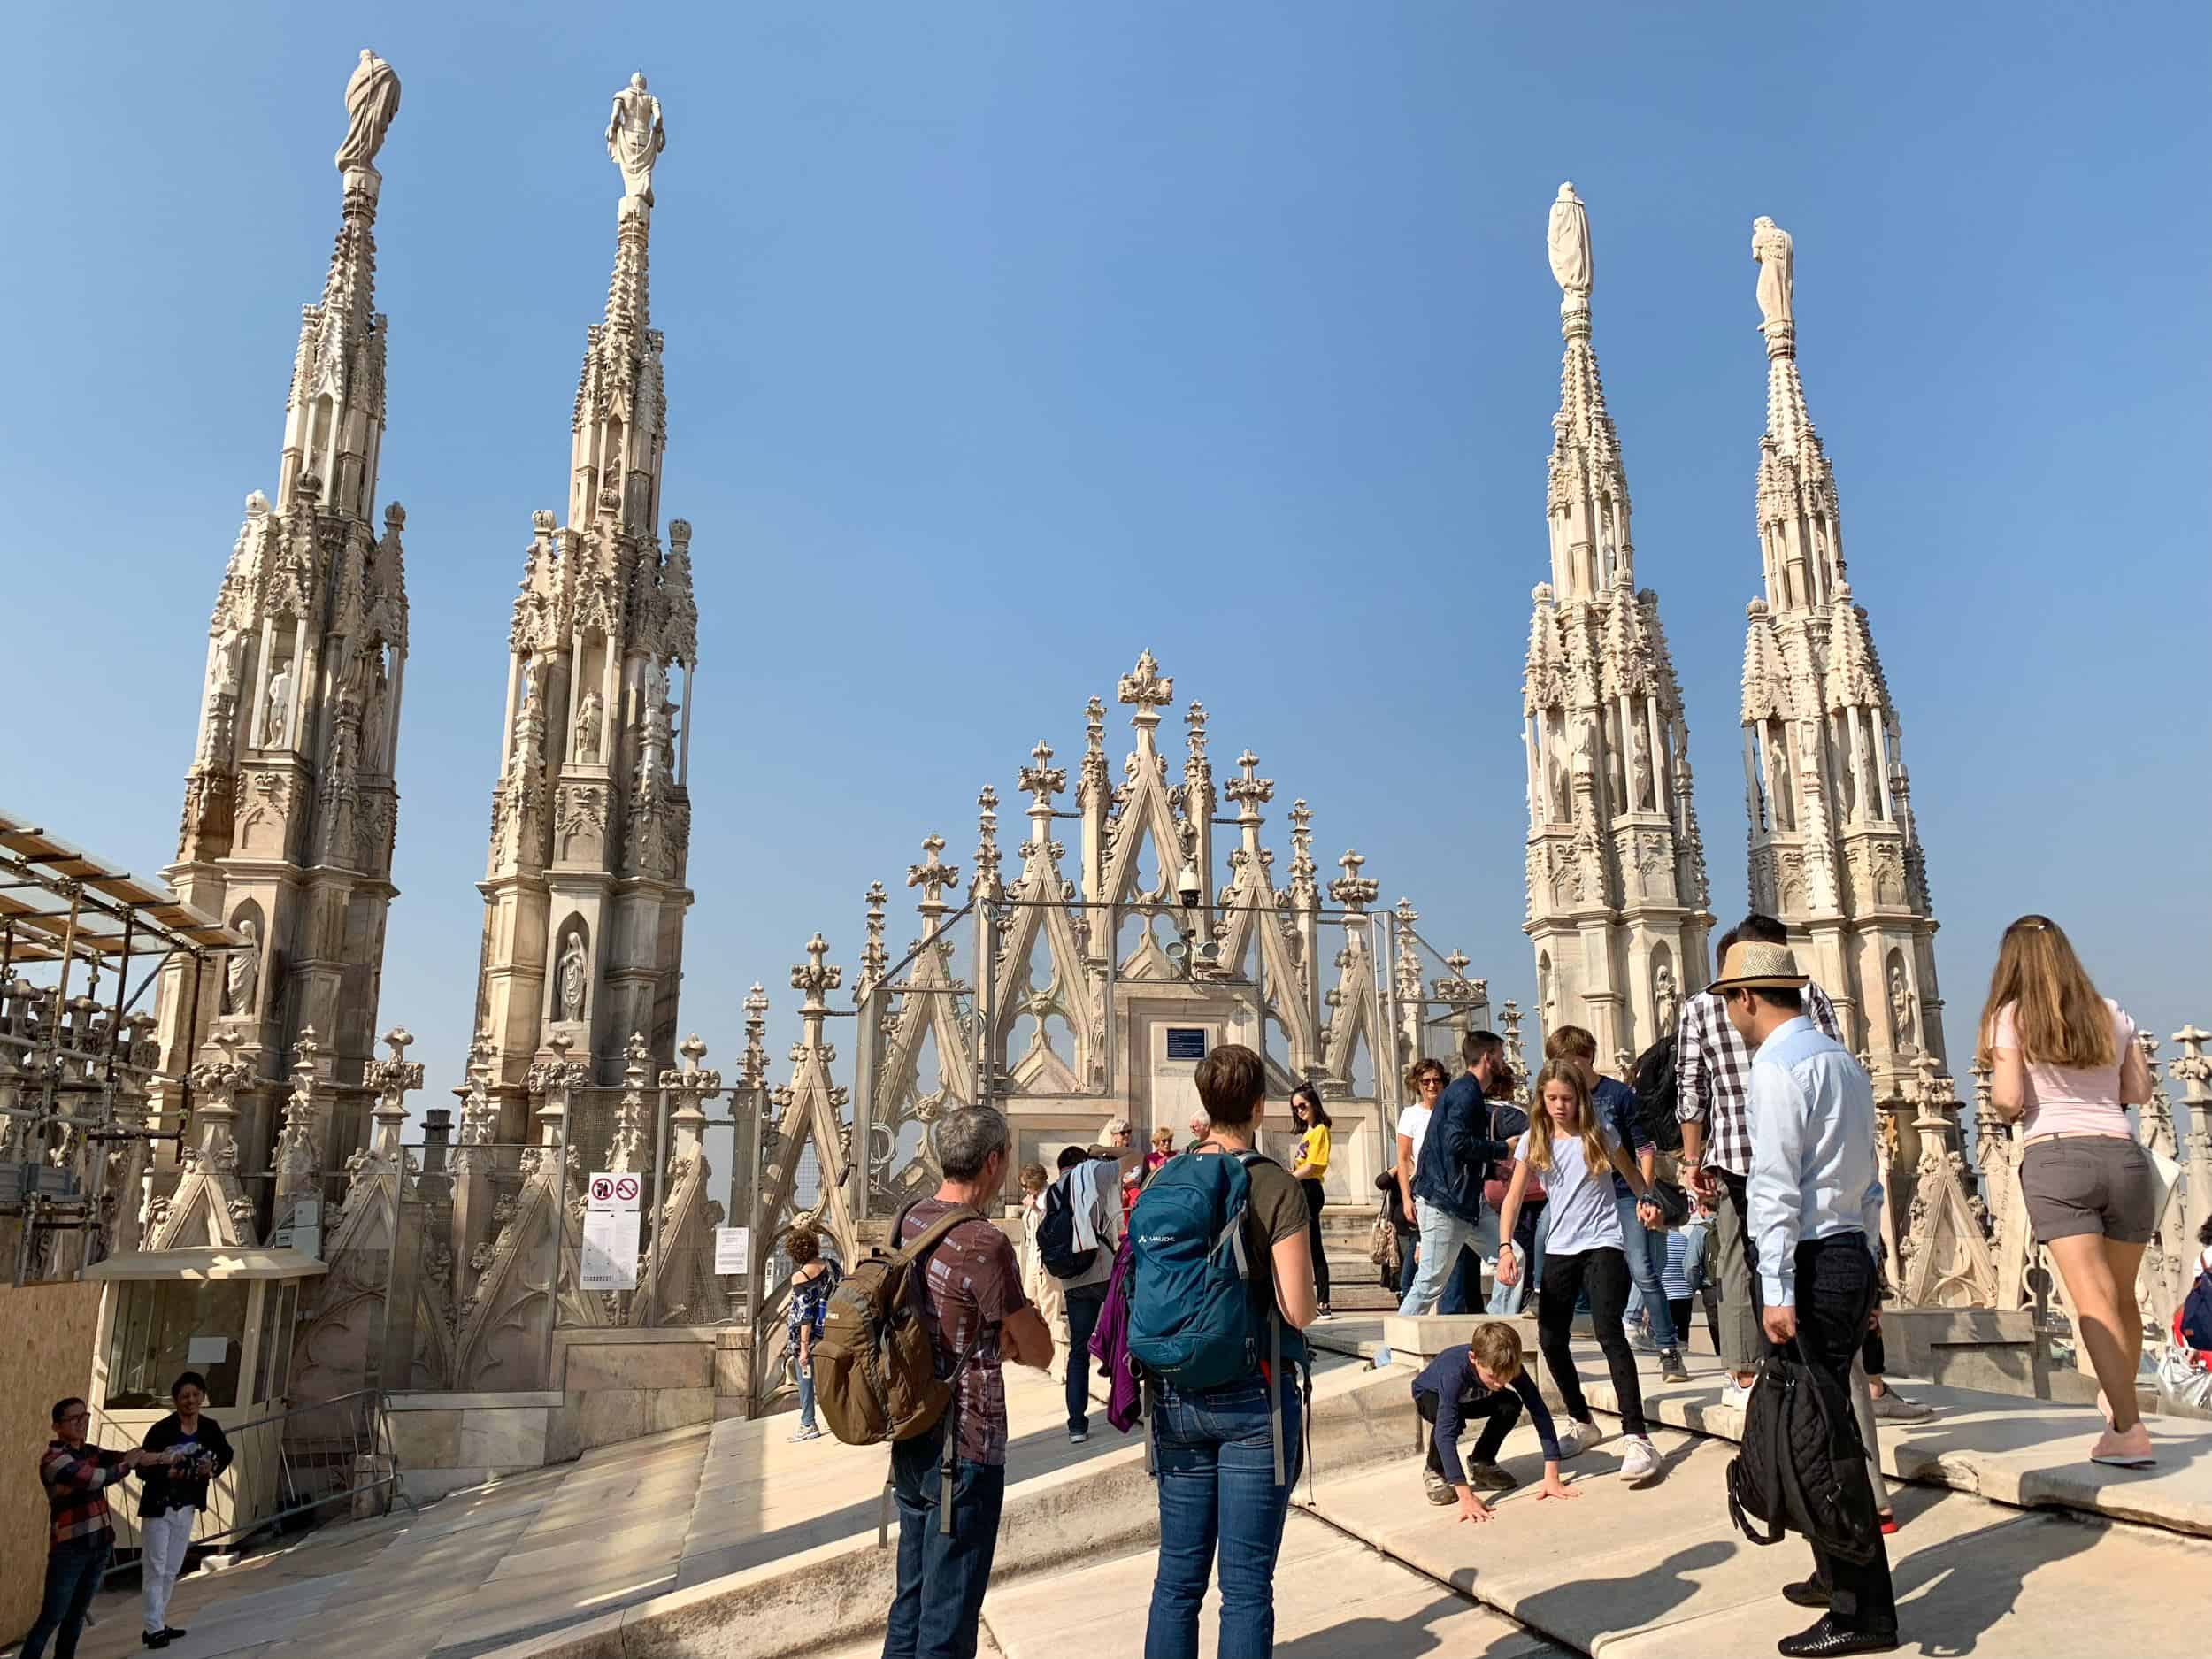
1660	1571
1335	1598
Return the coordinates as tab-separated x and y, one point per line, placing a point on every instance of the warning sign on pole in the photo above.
610	1232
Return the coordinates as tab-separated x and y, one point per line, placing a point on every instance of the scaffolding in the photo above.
77	1056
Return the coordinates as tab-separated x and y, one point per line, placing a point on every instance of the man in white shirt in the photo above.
1814	1203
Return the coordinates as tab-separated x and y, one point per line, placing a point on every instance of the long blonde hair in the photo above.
2058	1016
1586	1126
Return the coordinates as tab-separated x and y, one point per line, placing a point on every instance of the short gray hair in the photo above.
966	1137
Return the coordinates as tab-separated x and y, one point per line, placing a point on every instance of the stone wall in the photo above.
615	1385
50	1330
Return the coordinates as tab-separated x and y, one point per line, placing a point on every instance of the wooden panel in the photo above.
48	1332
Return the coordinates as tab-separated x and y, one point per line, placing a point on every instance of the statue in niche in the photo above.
589	712
574	970
1901	1018
230	657
372	101
1562	790
242	974
372	722
1646	801
1568	236
1666	1003
1771	247
276	721
1871	791
635	138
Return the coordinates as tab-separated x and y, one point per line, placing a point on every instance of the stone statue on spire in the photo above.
635	138
1569	236
1771	247
372	101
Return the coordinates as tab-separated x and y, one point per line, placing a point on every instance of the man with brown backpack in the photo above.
951	1296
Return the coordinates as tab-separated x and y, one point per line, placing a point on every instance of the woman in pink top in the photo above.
2065	1060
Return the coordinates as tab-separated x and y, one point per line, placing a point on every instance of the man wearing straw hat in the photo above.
1814	1199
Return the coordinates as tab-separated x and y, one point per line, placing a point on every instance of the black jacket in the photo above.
186	1488
1458	1152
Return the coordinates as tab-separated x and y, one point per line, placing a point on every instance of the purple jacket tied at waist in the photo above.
1110	1345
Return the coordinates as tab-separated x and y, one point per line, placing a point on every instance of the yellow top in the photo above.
1313	1146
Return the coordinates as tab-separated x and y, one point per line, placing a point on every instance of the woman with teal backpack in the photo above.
1215	1315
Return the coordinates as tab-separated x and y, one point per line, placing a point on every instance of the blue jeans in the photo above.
806	1395
1219	1496
1443	1236
73	1575
941	1575
1529	1233
1409	1254
1083	1310
1646	1254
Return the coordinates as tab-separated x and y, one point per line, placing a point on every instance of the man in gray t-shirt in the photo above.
1092	1183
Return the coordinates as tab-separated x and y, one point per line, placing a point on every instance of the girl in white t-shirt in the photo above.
1571	1146
2063	1060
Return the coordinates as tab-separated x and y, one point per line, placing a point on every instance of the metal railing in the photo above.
326	1452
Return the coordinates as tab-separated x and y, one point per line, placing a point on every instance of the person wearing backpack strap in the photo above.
1815	1206
1221	1226
972	1303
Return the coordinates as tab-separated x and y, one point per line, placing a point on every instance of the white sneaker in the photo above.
1076	1436
807	1435
1642	1461
1734	1393
1578	1438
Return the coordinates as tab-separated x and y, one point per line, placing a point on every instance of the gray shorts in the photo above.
2101	1184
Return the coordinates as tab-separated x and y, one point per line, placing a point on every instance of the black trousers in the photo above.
1837	1290
1603	1272
1500	1411
1312	1189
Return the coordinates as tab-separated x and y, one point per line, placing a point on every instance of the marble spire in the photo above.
289	807
584	887
1617	887
1834	851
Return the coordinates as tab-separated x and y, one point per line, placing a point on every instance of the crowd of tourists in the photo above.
1738	1176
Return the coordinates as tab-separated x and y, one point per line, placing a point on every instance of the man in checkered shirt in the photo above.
1713	1082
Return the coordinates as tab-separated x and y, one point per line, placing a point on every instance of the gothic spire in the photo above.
1834	851
1615	867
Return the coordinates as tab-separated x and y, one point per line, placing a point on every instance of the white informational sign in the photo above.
301	1228
732	1250
611	1232
207	1350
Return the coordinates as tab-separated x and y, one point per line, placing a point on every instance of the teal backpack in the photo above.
1190	1318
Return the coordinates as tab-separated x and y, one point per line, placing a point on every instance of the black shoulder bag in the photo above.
1802	1465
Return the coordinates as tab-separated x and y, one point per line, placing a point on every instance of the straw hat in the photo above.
1751	965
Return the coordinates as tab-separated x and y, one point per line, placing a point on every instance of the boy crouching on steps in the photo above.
1481	1379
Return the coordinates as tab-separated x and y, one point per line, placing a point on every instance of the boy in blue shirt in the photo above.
1481	1379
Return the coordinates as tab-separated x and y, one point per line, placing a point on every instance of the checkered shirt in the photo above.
76	1481
1712	1074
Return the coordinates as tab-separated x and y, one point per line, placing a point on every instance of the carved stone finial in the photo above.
1147	687
1352	890
932	875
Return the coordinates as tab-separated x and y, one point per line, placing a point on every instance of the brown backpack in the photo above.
875	1363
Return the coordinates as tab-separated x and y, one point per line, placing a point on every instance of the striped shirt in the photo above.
76	1479
1712	1073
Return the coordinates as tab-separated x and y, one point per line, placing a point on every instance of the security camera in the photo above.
1187	887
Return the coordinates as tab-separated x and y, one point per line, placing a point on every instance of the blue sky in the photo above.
1005	341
